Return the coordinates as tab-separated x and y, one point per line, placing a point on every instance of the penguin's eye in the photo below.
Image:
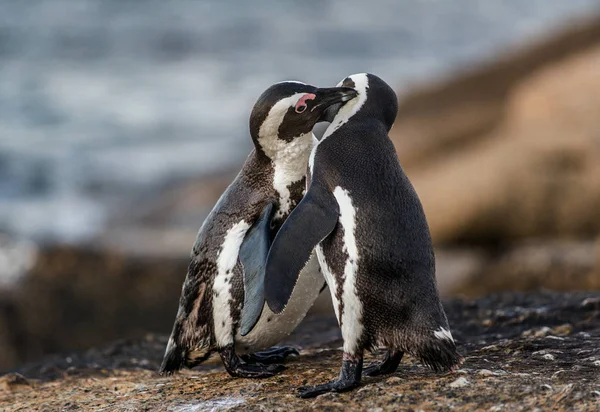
300	108
301	104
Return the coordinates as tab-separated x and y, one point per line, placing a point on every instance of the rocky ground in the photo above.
522	351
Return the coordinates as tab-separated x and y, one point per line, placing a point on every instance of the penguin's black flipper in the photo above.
253	255
312	220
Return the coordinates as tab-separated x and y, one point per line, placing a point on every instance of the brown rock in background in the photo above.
443	116
536	173
74	298
528	266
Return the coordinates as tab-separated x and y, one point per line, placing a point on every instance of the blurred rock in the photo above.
529	266
78	297
511	150
444	116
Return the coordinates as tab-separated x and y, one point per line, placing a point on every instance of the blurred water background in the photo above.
102	102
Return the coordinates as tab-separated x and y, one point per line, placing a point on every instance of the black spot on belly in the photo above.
223	323
268	319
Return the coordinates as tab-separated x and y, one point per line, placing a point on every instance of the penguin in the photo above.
367	224
222	306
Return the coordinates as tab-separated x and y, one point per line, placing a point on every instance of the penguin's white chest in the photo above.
226	261
273	328
349	314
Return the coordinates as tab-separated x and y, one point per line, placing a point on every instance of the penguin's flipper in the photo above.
253	255
312	220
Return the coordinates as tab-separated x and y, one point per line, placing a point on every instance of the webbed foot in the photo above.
388	365
349	379
237	368
270	356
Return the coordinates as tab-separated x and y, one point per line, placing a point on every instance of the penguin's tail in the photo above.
439	351
173	360
187	347
177	357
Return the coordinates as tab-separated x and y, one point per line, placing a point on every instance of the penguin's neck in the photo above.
290	162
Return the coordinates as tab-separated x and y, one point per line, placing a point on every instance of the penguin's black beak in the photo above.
330	99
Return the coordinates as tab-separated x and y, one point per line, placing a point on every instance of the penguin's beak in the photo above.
330	99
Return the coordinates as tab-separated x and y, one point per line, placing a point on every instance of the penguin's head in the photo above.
375	99
288	111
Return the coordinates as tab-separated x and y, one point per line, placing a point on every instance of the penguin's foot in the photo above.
239	369
245	370
348	380
388	365
276	354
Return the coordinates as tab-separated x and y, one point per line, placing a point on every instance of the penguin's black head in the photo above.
289	110
376	99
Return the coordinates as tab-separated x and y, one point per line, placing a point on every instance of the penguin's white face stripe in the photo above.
226	261
443	334
267	134
361	84
352	327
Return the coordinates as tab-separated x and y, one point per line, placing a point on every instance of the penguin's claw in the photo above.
240	369
388	365
375	369
270	356
257	371
338	385
348	380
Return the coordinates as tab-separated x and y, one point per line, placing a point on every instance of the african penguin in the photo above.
222	299
367	224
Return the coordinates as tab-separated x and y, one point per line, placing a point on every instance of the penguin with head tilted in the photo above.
222	299
367	224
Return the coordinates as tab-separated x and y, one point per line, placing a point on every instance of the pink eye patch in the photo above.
301	104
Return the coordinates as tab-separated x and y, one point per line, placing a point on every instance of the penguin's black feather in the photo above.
312	220
253	256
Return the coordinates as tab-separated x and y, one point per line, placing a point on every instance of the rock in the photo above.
444	116
591	304
486	373
460	383
77	297
14	382
107	378
528	165
526	265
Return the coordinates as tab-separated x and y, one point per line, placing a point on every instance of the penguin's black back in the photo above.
396	270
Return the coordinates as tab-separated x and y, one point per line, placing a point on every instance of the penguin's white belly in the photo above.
273	328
